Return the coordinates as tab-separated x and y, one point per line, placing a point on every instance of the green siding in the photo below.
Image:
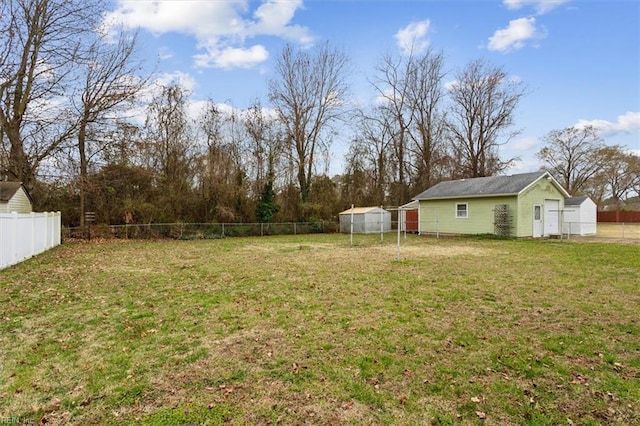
536	194
440	215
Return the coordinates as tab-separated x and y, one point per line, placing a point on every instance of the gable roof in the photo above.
9	189
491	186
575	201
362	210
411	205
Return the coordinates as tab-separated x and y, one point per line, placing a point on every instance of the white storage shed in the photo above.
366	220
580	216
14	198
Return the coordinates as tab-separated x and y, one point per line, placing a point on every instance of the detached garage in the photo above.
366	220
521	205
580	216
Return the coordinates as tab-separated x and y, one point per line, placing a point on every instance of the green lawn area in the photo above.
308	329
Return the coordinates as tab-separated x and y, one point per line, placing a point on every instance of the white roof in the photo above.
363	210
411	205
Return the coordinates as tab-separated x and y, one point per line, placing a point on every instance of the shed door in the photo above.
537	221
551	217
411	220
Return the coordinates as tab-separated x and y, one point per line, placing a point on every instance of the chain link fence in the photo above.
198	231
195	231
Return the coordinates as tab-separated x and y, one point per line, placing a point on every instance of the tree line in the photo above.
70	130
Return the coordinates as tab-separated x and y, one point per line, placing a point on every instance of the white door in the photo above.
551	217
537	221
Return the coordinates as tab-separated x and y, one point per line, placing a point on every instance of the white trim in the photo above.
550	178
466	211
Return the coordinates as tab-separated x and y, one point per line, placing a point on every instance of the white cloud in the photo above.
182	79
413	38
524	144
165	53
541	6
450	85
514	36
524	166
273	18
220	28
627	123
385	97
232	57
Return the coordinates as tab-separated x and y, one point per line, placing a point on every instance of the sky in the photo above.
579	59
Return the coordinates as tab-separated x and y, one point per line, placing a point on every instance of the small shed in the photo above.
409	216
580	216
366	220
14	197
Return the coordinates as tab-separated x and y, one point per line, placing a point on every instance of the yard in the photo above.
308	329
619	230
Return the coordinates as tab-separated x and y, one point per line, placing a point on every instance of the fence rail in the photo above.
25	235
194	231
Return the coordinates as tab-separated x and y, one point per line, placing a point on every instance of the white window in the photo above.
536	212
462	211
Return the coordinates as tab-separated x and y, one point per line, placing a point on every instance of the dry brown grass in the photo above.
619	231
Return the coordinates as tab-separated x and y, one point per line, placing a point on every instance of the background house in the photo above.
521	205
14	198
580	216
366	220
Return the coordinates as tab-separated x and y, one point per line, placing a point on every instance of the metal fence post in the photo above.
381	224
351	233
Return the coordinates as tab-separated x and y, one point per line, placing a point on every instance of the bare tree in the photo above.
426	97
370	159
483	103
265	143
308	93
110	79
571	155
221	176
169	138
393	93
618	172
40	43
410	93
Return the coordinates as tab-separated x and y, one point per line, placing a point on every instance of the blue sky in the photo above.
579	58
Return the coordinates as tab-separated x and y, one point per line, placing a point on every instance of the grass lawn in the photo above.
619	230
308	329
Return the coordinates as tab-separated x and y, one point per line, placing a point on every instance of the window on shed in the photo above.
462	210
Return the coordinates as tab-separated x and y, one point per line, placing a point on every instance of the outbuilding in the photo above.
408	214
520	205
580	216
14	197
366	220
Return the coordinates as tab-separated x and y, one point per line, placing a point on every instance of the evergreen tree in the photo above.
267	207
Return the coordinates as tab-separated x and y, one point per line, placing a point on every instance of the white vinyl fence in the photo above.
25	235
